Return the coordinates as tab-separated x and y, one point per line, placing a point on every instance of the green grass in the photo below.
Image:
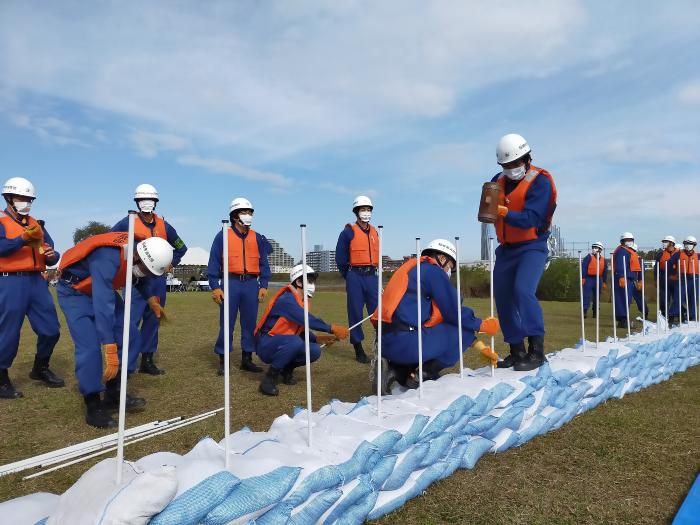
628	461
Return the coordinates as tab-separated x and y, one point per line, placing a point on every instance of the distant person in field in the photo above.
248	278
91	273
626	263
439	322
528	198
25	250
687	260
357	258
593	264
149	224
666	278
279	336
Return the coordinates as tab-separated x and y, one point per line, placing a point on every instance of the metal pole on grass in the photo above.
645	312
614	287
627	302
658	306
580	290
307	342
379	325
685	282
227	344
493	338
597	299
459	312
666	294
420	324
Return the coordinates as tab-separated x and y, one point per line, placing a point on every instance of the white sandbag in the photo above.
27	510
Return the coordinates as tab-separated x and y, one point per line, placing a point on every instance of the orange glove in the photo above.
502	211
486	352
154	305
262	293
489	326
326	339
111	366
340	331
638	285
217	295
621	282
605	286
32	233
583	281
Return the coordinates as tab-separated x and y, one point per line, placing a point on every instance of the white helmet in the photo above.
669	238
511	147
690	240
298	271
156	254
19	186
240	203
597	244
145	191
627	236
442	246
361	200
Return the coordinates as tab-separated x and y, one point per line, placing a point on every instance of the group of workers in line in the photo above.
92	272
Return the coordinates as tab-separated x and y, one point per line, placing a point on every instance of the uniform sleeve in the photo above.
179	247
9	246
536	205
672	264
122	225
604	277
342	251
439	288
214	268
264	249
291	310
48	240
103	264
584	266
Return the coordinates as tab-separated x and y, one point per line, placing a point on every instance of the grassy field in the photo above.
628	461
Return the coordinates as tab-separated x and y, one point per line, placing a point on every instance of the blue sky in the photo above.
299	106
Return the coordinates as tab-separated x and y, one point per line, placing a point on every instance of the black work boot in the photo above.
287	374
535	356
149	367
268	385
622	323
585	314
431	370
96	415
594	313
7	389
360	355
517	354
247	363
111	398
41	372
220	371
388	376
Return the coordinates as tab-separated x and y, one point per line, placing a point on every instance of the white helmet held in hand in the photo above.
156	254
145	191
240	203
669	238
443	246
511	147
361	200
627	236
19	186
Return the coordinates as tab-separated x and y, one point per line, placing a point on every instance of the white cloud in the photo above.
346	190
49	129
148	144
226	167
689	93
649	152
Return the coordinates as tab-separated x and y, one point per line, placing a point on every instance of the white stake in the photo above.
459	313
658	306
614	287
695	293
493	338
380	291
597	299
666	294
124	364
627	301
420	324
227	344
644	300
685	282
580	290
679	301
307	342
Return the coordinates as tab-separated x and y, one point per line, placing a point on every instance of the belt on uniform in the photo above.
364	269
69	279
244	276
18	274
398	326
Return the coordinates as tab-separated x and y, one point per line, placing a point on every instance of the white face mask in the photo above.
365	216
515	173
689	247
137	272
629	244
310	289
595	251
246	219
147	206
22	207
665	245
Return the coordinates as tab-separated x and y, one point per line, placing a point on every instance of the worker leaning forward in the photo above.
593	265
91	273
665	276
684	304
527	201
357	258
249	274
149	224
279	336
439	321
25	250
626	263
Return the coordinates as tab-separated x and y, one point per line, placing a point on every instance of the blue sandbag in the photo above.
277	515
361	490
481	425
437	426
354	466
439	447
409	464
512	441
476	448
499	392
312	512
382	471
386	441
410	437
319	480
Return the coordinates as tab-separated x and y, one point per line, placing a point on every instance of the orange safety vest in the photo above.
282	326
84	248
364	246
515	201
141	231
592	264
243	254
691	263
664	259
396	289
635	266
27	258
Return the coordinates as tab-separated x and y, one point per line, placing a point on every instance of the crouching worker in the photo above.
439	303
91	273
279	335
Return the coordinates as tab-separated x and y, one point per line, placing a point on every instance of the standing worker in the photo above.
626	262
687	258
527	201
279	336
668	248
91	273
149	224
593	264
25	250
640	301
357	258
249	274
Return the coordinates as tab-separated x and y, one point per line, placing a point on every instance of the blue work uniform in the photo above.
666	281
589	291
621	258
687	279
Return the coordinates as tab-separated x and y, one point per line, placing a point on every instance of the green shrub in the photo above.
560	282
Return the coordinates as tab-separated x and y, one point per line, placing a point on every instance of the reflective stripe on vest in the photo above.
84	248
243	254
396	289
141	231
515	201
635	266
364	246
27	258
691	263
593	265
282	326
